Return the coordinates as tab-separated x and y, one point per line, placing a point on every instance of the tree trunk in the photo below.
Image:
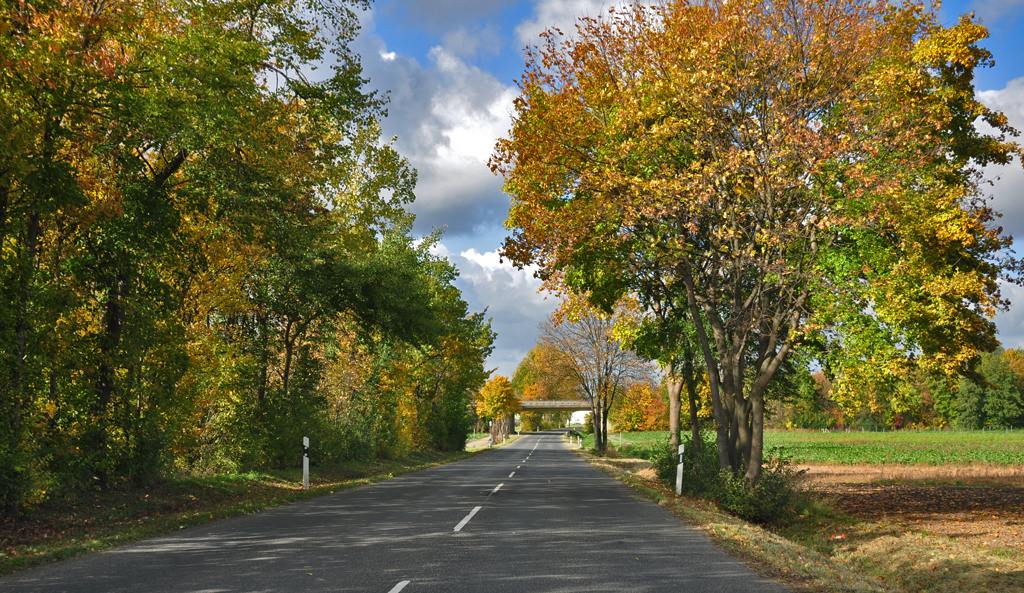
27	269
756	458
289	346
675	386
604	424
734	430
113	322
691	392
595	421
742	434
721	421
261	391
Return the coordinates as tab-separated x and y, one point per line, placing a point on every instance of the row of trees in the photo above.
772	183
204	252
992	398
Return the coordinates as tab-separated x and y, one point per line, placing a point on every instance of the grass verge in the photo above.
481	444
84	522
825	550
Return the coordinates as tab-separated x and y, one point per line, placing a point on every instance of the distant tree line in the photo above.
205	253
992	397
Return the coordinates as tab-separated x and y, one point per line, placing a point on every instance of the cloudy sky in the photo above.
450	67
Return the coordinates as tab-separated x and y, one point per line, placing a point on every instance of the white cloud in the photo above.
1008	198
444	14
561	14
1009	100
1010	324
512	300
472	41
1008	181
447	116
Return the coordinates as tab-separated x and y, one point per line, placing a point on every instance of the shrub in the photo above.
774	499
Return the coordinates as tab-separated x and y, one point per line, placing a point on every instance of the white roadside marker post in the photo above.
679	471
305	463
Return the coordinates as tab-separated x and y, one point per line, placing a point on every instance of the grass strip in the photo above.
1000	448
84	522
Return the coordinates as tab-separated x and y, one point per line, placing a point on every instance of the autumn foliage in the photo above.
205	255
640	408
788	179
498	403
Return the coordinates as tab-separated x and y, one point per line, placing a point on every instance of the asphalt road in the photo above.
527	517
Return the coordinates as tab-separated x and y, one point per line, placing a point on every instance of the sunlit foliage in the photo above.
204	252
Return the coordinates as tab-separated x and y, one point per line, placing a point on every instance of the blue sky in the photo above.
451	67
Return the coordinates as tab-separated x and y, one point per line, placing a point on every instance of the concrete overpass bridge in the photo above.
554	405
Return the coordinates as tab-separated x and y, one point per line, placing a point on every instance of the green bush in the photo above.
774	499
15	481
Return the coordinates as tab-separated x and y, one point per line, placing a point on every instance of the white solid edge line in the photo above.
496	488
399	587
512	474
463	522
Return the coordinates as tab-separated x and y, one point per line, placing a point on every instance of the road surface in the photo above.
529	517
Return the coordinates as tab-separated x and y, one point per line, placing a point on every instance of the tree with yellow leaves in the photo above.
786	175
497	402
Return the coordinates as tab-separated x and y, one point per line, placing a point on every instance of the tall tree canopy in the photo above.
196	237
785	175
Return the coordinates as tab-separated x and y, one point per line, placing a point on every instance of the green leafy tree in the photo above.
996	400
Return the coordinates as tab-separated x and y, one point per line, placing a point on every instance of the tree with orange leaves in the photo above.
781	175
640	408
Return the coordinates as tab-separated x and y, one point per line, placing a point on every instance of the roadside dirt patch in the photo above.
987	517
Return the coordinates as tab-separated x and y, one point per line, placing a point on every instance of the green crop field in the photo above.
876	448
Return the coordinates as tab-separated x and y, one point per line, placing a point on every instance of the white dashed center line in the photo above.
399	587
463	522
512	474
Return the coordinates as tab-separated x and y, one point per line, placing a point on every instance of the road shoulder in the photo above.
775	558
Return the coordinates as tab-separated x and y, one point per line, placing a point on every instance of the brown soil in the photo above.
987	516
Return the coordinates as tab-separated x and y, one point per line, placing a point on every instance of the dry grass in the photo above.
978	474
480	444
